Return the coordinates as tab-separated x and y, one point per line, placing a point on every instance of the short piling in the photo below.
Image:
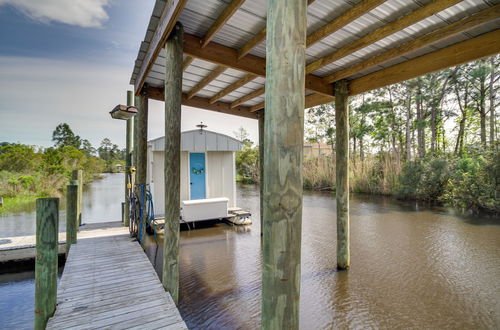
71	214
47	224
78	175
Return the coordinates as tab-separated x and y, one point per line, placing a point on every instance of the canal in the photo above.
412	266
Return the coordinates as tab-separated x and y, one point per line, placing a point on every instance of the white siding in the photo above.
220	175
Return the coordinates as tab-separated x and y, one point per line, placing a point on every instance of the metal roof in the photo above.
201	140
197	17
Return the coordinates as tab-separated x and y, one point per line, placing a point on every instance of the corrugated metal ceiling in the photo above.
198	16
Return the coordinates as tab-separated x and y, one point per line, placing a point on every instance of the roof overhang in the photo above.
372	44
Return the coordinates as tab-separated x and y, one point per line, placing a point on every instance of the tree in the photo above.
63	136
242	135
87	147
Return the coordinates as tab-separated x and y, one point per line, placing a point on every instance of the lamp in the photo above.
123	112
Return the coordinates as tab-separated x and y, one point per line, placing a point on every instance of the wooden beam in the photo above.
284	139
205	81
257	107
248	97
221	20
316	99
257	39
473	49
355	12
342	173
252	43
231	88
205	104
187	62
382	32
437	35
226	56
173	101
168	19
310	101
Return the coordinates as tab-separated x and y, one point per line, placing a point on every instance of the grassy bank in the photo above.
27	173
470	182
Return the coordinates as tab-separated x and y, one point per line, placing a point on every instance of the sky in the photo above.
70	62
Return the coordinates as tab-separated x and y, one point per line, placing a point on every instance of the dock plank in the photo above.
109	283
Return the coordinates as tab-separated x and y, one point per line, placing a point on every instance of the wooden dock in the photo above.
109	283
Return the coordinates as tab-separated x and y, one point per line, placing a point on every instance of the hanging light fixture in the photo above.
123	112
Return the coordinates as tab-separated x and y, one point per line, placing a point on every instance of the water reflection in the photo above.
412	267
101	203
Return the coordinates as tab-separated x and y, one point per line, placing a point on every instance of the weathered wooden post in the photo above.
128	160
342	173
47	225
141	102
261	167
283	136
78	175
71	214
173	100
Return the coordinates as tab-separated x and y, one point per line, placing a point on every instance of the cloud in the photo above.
84	13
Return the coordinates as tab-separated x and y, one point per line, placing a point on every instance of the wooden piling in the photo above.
261	167
71	214
128	160
342	173
141	102
78	175
283	136
47	225
173	99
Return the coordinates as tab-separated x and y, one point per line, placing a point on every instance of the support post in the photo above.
261	167
71	214
128	160
78	175
173	99
283	136
47	225
141	101
342	173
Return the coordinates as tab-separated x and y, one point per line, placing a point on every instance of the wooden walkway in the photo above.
109	283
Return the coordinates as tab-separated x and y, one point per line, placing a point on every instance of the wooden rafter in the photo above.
382	32
168	19
226	56
470	50
437	35
231	88
221	20
205	81
187	62
203	103
248	97
310	101
355	12
252	43
257	107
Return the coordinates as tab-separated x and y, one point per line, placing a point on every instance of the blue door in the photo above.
197	175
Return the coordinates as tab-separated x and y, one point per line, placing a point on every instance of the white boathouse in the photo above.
208	172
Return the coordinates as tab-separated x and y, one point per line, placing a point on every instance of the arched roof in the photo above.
201	140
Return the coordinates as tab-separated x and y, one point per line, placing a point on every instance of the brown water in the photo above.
412	267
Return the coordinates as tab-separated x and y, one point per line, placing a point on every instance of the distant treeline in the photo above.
433	138
28	172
